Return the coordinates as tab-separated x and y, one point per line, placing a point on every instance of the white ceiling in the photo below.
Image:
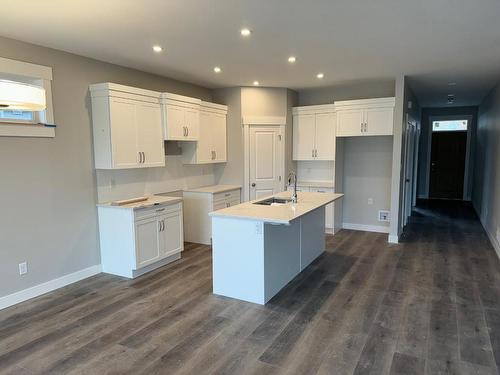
432	41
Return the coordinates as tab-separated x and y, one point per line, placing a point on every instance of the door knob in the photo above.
253	184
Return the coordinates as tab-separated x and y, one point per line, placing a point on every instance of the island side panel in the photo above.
281	256
238	259
312	236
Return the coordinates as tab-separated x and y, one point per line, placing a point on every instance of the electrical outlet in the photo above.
384	215
23	268
370	201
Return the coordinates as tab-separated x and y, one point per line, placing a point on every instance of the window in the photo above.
449	125
25	100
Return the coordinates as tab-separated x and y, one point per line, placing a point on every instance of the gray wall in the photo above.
376	180
367	174
365	89
423	152
486	188
48	187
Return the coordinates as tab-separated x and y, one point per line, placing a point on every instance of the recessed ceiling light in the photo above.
256	83
157	49
217	69
292	59
245	32
320	76
452	84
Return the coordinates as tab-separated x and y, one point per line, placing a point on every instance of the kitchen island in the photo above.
259	248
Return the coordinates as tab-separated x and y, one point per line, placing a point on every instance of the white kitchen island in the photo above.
258	249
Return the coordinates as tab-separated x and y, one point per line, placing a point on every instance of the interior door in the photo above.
303	137
147	246
265	161
448	164
408	167
175	122
379	121
149	134
349	122
325	136
124	133
205	143
219	137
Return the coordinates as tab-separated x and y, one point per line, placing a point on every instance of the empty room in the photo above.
250	187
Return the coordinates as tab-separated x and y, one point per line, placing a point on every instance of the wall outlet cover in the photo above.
384	215
370	201
23	268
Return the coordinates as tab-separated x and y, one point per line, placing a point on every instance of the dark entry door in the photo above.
448	164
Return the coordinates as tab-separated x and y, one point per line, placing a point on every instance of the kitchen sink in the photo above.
273	200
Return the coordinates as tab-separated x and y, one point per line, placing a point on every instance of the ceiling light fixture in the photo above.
217	69
320	76
245	32
452	84
157	49
21	96
256	83
292	59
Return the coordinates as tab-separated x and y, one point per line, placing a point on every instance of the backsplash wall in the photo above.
129	183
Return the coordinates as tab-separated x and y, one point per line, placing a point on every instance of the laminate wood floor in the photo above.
430	305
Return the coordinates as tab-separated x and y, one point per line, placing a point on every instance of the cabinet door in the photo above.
147	248
349	122
175	127
219	141
325	136
171	234
204	146
303	137
192	122
379	121
123	133
149	134
220	205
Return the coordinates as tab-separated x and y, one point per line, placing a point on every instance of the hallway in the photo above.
430	305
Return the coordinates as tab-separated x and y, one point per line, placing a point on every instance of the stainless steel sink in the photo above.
273	200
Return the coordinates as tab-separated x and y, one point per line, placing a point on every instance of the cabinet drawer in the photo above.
227	196
321	190
144	213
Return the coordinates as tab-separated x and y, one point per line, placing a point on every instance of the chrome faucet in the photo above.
293	176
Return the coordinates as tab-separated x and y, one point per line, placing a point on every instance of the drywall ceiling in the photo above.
434	42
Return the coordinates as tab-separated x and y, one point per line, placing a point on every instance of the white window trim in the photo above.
43	76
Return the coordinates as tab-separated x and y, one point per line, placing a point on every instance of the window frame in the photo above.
39	75
467	124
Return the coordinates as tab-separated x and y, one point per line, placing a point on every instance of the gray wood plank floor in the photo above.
430	305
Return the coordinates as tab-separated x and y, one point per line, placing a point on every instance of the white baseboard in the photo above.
49	286
393	239
366	228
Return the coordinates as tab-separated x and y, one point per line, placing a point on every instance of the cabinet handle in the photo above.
163	223
215	155
143	157
140	157
366	127
160	210
315	153
159	226
187	131
312	152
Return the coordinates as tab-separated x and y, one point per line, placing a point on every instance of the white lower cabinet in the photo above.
135	241
198	203
329	209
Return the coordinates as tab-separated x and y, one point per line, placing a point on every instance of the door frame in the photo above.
410	161
251	121
466	193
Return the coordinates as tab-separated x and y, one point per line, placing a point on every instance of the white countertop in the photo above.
316	183
213	189
279	214
154	200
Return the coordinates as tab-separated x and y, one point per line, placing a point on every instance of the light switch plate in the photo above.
23	268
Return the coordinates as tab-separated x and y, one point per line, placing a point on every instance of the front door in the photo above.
448	164
265	161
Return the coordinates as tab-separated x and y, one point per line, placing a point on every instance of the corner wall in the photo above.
486	187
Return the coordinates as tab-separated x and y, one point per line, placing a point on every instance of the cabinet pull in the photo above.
187	131
312	153
159	226
143	157
227	194
160	210
140	157
215	155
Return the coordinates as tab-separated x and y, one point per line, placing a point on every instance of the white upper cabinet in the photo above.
181	117
127	127
365	117
314	132
211	146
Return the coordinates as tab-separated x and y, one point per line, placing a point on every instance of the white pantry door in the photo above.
265	161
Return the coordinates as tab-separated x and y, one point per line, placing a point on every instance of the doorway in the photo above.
264	156
448	158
